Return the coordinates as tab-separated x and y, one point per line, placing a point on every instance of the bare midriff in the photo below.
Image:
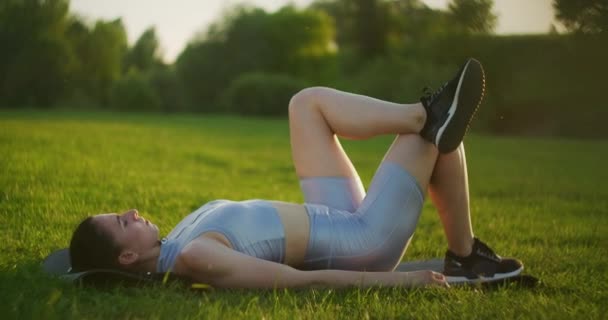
296	227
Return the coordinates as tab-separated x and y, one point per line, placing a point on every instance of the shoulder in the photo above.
200	258
193	251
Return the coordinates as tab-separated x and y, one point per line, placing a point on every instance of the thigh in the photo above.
315	148
323	166
367	240
341	193
390	214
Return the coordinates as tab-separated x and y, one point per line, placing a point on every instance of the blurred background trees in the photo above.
289	42
251	61
36	56
584	16
473	16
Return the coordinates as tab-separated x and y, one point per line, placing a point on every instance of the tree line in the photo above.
251	61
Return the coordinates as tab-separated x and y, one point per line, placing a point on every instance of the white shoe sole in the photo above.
480	279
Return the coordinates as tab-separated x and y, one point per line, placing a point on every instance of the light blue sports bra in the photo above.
252	227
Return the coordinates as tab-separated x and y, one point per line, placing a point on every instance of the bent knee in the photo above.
306	100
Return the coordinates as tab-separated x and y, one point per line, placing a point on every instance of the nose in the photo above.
133	213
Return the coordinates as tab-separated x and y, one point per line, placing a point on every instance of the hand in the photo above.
425	278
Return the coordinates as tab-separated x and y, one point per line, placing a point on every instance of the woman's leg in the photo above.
467	258
375	237
319	115
449	191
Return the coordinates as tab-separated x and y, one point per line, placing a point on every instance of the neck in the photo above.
148	260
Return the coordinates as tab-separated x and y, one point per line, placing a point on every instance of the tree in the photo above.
134	92
107	46
413	23
248	39
36	58
374	29
84	90
166	85
361	24
371	28
583	16
473	16
144	55
342	14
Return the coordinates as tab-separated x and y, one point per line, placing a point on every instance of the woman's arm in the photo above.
340	279
210	262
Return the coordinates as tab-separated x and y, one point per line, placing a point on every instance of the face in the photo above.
130	231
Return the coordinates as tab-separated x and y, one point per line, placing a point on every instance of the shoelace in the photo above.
430	97
483	250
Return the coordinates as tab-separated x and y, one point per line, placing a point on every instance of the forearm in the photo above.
341	279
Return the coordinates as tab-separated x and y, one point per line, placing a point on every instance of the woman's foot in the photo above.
451	107
481	265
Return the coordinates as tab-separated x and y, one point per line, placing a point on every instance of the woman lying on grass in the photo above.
340	236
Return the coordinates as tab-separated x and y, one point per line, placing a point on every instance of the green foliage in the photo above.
584	16
396	78
341	14
100	52
49	56
35	59
362	25
79	36
144	55
556	93
386	49
251	40
133	92
539	200
168	88
370	28
374	27
261	93
413	23
205	73
473	16
527	93
104	65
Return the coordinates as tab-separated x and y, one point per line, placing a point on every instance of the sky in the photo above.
177	21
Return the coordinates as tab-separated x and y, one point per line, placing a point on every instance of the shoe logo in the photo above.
486	255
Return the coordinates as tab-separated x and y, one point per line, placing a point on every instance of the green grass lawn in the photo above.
543	201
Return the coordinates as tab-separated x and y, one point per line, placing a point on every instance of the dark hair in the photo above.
92	248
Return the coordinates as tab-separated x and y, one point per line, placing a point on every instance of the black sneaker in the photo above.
480	266
451	107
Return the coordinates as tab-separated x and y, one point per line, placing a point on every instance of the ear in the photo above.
127	257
